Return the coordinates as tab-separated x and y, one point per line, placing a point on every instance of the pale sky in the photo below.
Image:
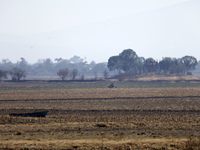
64	28
23	17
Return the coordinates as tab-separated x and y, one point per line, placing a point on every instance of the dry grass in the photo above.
132	118
151	77
99	144
51	94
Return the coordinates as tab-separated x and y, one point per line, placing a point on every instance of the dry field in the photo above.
91	116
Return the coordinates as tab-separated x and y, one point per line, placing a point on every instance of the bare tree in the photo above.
63	73
17	74
74	73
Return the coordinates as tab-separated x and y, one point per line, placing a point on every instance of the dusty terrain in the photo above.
153	116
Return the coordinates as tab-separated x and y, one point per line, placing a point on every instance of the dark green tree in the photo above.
129	61
141	61
190	62
166	63
114	63
151	65
177	68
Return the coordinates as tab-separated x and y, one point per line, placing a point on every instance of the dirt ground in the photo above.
100	118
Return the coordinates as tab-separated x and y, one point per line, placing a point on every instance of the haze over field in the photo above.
96	30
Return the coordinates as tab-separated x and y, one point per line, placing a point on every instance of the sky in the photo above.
24	17
96	29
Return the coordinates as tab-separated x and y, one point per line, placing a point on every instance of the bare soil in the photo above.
100	118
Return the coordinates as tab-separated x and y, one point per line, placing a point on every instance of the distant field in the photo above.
88	115
28	85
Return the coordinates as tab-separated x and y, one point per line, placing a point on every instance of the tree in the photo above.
114	63
76	59
141	61
63	73
129	61
48	64
189	61
23	64
74	73
166	63
151	65
99	68
17	74
177	68
44	67
3	74
6	64
61	63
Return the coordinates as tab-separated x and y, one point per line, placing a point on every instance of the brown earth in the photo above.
172	77
99	118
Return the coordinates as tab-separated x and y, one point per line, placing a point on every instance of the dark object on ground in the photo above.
112	85
34	114
101	125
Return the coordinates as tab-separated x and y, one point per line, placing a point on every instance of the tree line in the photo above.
129	63
75	67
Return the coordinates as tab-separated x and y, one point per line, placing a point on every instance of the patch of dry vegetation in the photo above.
169	77
132	118
115	129
67	94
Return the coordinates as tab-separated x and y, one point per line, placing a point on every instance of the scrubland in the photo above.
91	116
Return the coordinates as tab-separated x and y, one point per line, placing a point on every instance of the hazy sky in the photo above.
69	25
24	17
